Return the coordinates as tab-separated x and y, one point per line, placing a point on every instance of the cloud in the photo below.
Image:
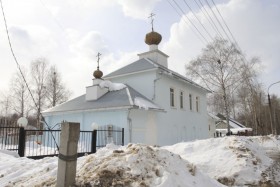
137	9
91	44
254	25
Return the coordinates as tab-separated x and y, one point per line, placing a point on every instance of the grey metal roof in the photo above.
147	64
110	100
139	65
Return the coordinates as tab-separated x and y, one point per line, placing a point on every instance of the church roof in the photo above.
124	98
146	64
139	65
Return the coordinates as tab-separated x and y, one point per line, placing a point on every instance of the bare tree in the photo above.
39	72
5	104
56	90
20	95
219	67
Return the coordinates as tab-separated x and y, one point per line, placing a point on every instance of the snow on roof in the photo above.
117	98
112	86
144	103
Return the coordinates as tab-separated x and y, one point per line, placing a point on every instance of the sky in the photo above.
70	33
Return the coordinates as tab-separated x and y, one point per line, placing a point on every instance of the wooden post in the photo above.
67	158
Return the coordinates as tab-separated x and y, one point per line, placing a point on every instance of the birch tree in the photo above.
39	72
219	67
56	91
19	94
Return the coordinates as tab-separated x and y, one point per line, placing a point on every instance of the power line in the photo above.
224	22
208	17
184	15
235	41
180	15
18	66
198	20
217	20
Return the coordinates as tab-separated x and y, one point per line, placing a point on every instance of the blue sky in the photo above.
69	33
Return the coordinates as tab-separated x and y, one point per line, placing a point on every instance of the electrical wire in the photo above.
198	20
180	15
19	68
184	14
224	22
218	20
208	17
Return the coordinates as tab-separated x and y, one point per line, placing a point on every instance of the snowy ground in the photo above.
234	161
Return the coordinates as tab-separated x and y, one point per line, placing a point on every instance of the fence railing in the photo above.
42	143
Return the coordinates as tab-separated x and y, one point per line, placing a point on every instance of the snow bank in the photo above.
139	165
135	165
112	86
231	160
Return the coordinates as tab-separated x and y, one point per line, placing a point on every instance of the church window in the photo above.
197	103
190	101
172	97
181	99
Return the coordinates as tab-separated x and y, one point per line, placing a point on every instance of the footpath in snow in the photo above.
233	161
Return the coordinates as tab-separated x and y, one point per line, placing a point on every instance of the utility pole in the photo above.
273	131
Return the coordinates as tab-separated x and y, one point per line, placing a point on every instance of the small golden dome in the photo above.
97	74
153	38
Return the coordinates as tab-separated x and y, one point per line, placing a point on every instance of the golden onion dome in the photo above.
97	74
153	38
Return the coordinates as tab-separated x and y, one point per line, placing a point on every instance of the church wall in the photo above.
86	119
141	82
178	124
143	126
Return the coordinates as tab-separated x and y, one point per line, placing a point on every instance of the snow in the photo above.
234	130
143	103
111	86
234	161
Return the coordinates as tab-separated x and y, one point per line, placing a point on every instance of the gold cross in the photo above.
98	58
152	20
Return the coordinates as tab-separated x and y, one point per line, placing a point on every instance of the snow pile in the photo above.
112	86
231	160
26	172
139	165
134	165
143	103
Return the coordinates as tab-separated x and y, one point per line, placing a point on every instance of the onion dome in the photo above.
97	74
153	38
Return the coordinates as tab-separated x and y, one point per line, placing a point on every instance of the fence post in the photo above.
93	141
21	142
67	158
122	136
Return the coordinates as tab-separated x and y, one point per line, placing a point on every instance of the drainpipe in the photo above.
154	95
129	124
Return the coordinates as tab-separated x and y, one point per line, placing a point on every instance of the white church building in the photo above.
153	104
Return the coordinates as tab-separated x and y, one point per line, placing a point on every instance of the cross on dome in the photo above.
152	20
97	73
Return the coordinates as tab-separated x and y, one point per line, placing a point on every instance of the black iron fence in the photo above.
42	143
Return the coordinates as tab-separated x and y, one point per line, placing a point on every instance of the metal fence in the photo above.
41	143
